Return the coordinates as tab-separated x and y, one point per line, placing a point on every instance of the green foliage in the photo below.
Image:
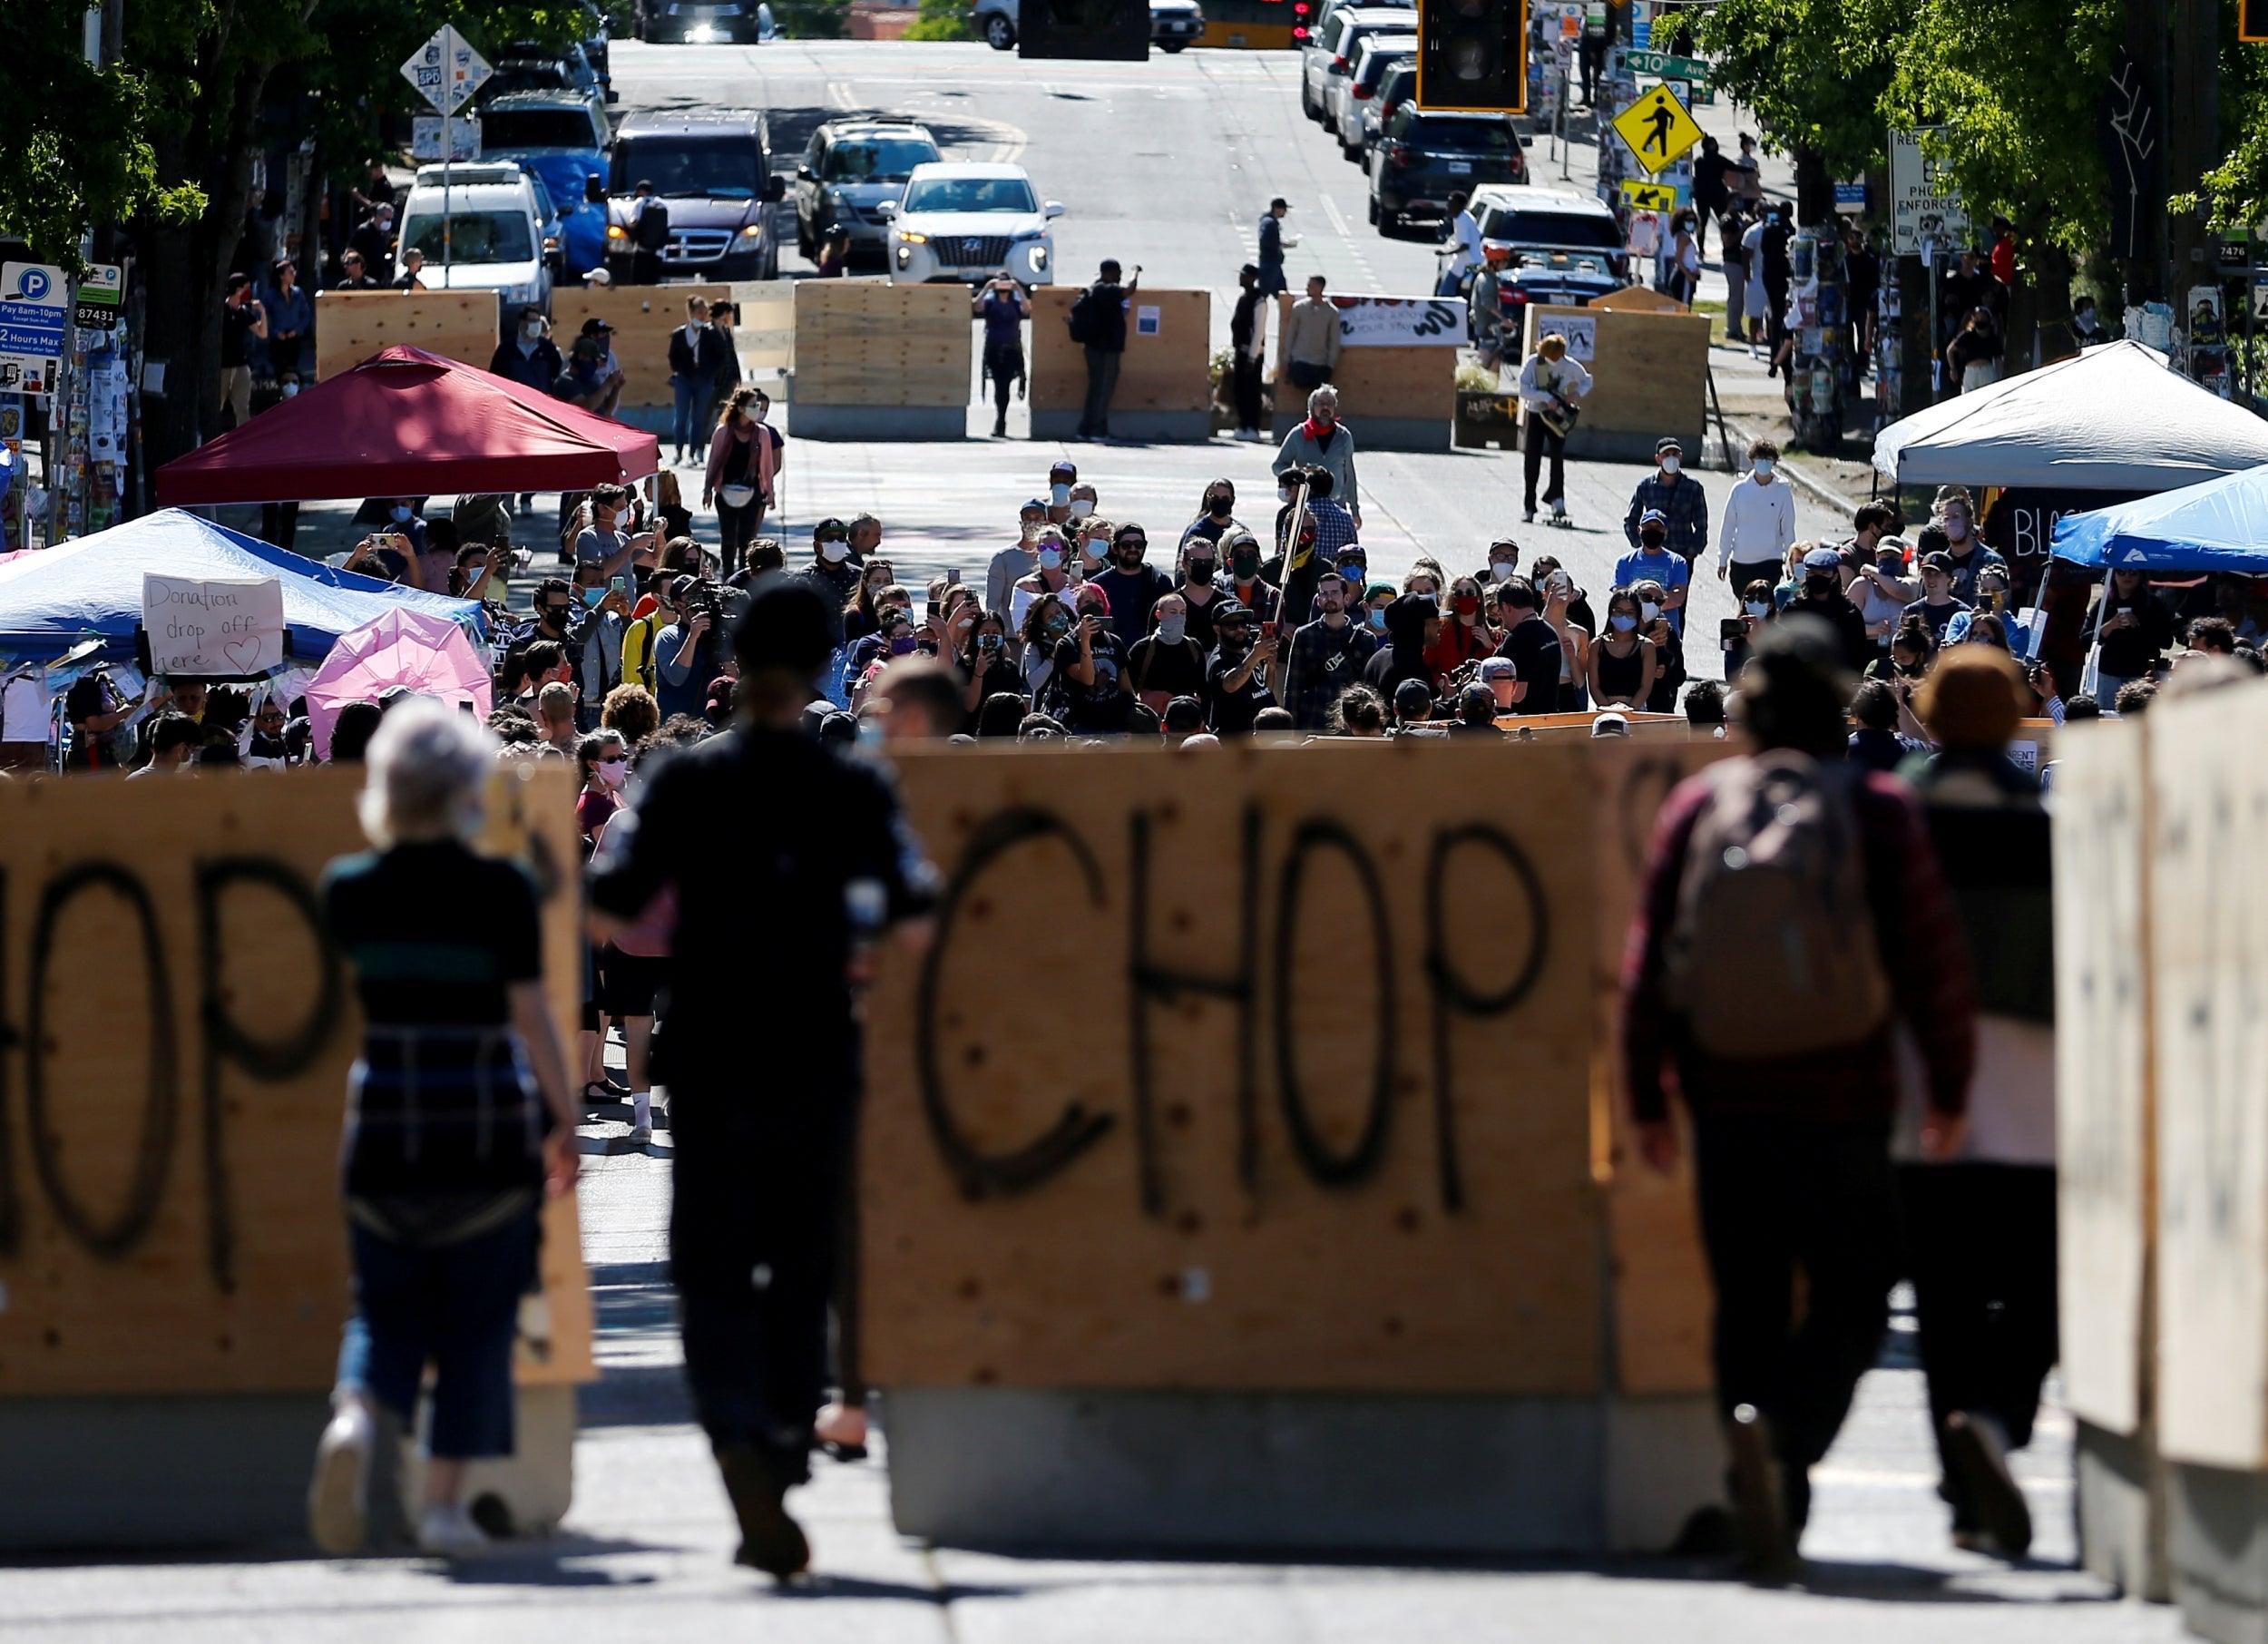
2235	193
942	20
813	19
1814	71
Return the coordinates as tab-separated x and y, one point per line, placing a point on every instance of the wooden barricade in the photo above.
642	317
1395	398
1163	390
881	361
1649	376
764	335
352	326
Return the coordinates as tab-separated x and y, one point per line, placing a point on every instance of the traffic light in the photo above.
1472	55
1111	30
2251	19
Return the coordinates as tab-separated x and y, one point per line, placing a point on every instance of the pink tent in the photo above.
429	654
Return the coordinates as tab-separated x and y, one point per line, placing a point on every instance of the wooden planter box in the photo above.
1487	419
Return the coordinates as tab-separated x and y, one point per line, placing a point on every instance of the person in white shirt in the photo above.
1462	234
1549	378
1759	525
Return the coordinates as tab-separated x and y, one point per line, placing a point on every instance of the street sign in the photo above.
465	138
1922	203
1851	196
1656	129
1691	70
1653	196
34	314
99	295
446	71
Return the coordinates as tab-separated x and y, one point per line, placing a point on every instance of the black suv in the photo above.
1424	158
709	167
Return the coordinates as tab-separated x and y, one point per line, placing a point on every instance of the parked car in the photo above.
1330	52
499	235
851	170
1358	87
1423	158
1173	24
524	65
1332	8
1566	246
701	22
959	220
709	166
563	138
1397	86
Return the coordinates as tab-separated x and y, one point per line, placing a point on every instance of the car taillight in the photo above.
1385	110
1401	154
1361	94
1338	66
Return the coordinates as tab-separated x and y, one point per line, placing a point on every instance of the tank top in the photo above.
1618	676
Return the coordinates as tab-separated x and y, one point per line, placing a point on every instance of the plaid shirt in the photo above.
1325	661
1684	504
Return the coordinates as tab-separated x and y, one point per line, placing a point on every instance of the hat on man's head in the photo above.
1498	668
595	327
1038	504
830	530
1230	611
681	586
1279	200
1937	562
786	625
1823	559
1652	517
1668	442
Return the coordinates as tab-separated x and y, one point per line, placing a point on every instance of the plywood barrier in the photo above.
1400	393
1642	299
352	326
867	343
765	334
1650	373
1163	390
642	317
1320	1116
179	1036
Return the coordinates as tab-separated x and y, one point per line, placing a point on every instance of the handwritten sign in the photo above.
231	628
1400	322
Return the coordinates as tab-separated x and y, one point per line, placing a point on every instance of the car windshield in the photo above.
474	236
1461	136
875	158
526	77
1380	61
724	170
502	128
970	194
1528	228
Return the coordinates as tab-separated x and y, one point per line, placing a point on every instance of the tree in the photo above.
942	20
1814	71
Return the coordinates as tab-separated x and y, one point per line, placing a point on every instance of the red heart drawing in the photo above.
243	653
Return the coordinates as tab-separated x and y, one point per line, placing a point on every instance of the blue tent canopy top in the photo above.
54	600
2220	524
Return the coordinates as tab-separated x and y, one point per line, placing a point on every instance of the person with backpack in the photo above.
648	235
1793	910
1098	324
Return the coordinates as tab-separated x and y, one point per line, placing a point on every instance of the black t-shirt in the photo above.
763	940
1177	669
236	325
1131	594
1533	648
437	934
1099	707
1233	711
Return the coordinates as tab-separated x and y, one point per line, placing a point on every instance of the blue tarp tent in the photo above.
54	600
2221	525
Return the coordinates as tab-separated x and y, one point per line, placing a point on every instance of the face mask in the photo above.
1378	620
1465	604
1765	466
532	329
1352	572
1956	527
835	554
901	646
1201	571
1819	587
1502	570
614	772
1246	563
1051	558
1173	629
1219	507
1670	465
1030	528
1283	494
1059	495
1757	608
1057	627
870	733
399	513
1622	624
1649	609
1651	539
594	596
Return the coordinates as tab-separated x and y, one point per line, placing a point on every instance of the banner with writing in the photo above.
230	627
1400	322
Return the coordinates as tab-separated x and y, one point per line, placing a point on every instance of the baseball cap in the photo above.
1038	504
1231	611
1668	442
1610	724
595	327
1067	468
830	530
1937	562
1498	668
1653	516
681	586
1823	559
1279	200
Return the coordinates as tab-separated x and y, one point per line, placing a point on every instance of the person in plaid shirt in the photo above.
1327	656
1684	505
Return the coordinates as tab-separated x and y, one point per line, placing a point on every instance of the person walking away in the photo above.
692	374
241	317
1678	497
1711	194
1311	337
1273	241
1248	334
1323	442
1004	306
762	1159
1098	324
457	1117
1981	1226
1549	381
1759	524
648	235
1784	875
739	483
1779	273
1461	240
528	357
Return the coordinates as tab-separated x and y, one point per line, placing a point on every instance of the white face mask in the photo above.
1670	465
1649	609
1059	495
1502	569
834	553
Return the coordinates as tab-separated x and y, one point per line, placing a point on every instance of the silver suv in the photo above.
851	169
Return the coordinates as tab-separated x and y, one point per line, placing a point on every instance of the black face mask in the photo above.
1246	563
1201	571
1219	507
1821	587
1651	539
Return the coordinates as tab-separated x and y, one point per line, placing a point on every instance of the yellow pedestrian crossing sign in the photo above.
1658	128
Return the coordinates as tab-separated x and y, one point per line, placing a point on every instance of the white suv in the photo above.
967	222
498	232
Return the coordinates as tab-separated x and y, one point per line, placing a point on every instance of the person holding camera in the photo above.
685	651
1003	306
96	707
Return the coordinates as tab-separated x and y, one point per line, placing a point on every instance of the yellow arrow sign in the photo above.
1658	128
1650	196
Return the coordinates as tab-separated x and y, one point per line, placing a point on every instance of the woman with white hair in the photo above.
456	1113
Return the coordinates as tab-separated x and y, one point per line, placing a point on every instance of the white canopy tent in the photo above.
2109	419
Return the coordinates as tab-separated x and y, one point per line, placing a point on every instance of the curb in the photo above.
1817	488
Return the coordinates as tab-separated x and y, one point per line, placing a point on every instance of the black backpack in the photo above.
653	226
1082	319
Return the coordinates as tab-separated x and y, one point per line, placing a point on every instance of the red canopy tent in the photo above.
406	423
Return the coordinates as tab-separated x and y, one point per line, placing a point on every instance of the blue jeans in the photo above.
692	402
456	1306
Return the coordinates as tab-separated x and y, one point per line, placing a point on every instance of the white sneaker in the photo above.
338	1496
449	1532
640	1134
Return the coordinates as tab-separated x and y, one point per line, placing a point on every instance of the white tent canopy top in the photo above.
2109	419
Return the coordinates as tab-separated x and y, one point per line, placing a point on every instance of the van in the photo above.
499	234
